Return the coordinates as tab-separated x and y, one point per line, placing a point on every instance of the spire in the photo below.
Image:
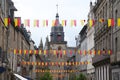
41	44
57	17
47	41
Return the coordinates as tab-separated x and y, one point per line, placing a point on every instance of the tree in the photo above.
81	77
46	76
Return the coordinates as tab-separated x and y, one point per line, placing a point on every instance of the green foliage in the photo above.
73	77
47	76
81	77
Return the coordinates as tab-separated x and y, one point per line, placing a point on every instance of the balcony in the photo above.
100	59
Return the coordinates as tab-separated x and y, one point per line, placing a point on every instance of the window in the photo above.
116	42
116	16
14	35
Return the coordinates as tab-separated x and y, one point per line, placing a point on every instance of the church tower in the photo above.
57	34
57	43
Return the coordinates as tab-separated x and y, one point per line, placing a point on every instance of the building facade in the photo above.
103	39
58	43
90	44
12	38
115	57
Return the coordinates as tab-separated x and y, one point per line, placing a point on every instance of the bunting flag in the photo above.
73	23
64	52
17	22
56	63
45	23
61	52
27	22
109	52
53	23
64	22
36	23
30	51
110	22
15	51
101	20
91	23
40	52
6	22
118	22
99	52
20	51
82	22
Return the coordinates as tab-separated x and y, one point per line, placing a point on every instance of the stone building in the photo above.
12	38
57	42
103	39
90	44
83	48
115	57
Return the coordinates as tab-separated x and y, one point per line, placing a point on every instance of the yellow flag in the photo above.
54	52
44	23
64	52
72	22
16	22
90	22
40	52
98	52
14	51
118	22
63	24
82	22
53	23
6	21
44	52
34	51
109	22
34	23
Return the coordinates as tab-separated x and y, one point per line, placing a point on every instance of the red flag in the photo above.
75	24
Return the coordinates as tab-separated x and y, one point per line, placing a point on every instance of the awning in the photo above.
20	77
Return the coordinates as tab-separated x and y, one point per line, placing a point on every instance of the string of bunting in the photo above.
62	52
55	63
58	71
73	23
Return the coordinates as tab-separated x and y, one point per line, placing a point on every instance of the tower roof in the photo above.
47	41
41	44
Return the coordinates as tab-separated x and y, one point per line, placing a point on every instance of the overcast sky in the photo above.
46	9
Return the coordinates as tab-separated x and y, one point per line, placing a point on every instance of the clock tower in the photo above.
58	43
